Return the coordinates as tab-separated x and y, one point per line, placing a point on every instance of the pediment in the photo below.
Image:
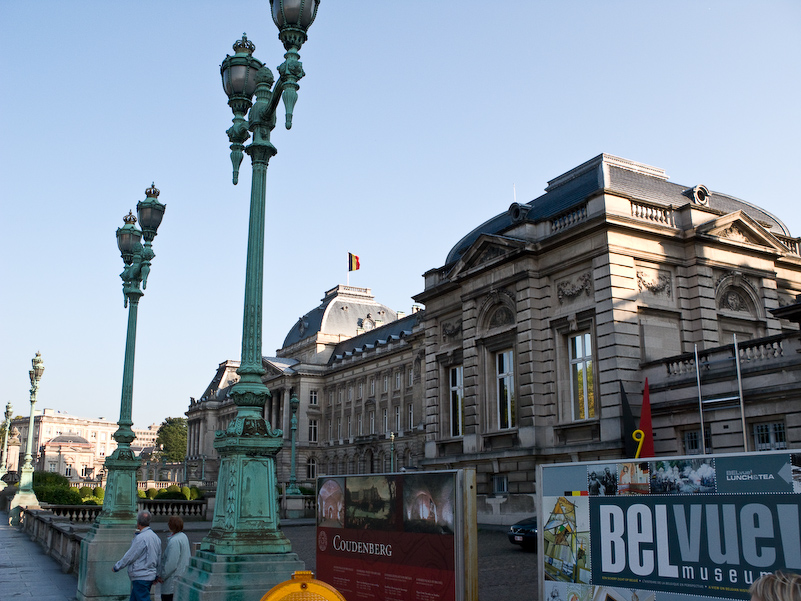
738	227
486	249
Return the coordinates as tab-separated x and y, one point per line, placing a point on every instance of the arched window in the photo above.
311	468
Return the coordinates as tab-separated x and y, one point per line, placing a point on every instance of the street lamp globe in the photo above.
128	237
294	14
293	18
38	369
238	72
150	212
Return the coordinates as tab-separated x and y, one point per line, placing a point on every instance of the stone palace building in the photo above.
532	325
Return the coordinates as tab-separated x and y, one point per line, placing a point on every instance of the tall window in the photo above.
311	468
330	431
397	419
350	393
372	422
68	471
339	427
340	395
410	377
385	420
350	432
410	417
312	430
360	390
581	380
84	471
331	397
359	425
397	380
372	386
312	397
457	401
769	436
506	392
386	382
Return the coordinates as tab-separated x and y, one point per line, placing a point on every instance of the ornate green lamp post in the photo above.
391	451
109	537
293	489
245	549
25	496
4	456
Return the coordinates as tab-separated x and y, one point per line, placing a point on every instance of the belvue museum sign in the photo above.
670	528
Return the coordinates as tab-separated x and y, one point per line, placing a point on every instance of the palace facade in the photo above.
532	327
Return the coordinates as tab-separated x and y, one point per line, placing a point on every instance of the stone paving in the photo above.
26	572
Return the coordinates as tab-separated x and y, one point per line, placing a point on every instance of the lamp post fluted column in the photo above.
245	550
4	455
106	541
293	489
25	497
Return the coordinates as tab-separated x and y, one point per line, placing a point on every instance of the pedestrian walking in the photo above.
142	559
175	559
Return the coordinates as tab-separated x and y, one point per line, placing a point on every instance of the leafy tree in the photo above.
99	492
41	478
172	439
85	492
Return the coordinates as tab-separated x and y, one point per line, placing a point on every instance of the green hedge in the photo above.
57	495
99	492
49	479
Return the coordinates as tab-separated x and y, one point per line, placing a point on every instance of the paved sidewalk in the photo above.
26	572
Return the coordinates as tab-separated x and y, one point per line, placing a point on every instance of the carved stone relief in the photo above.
658	283
734	301
493	252
569	290
734	233
502	317
451	330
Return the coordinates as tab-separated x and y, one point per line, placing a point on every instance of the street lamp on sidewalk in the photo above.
245	549
109	537
25	496
4	456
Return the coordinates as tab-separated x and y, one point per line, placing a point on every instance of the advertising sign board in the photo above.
398	537
672	529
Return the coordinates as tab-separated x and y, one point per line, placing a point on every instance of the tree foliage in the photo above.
172	439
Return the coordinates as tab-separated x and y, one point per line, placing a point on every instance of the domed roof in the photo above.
607	173
344	311
69	438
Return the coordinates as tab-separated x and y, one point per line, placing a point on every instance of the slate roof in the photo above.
391	332
625	177
341	313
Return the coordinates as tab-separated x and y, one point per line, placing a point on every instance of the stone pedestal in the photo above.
295	506
111	534
100	550
245	553
216	577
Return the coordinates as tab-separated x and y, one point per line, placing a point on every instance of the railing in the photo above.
569	219
656	213
57	536
76	514
790	243
160	508
751	352
188	510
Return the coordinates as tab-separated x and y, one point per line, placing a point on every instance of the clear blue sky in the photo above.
413	124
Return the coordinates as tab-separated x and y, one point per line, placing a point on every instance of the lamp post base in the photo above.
24	499
100	550
110	536
246	577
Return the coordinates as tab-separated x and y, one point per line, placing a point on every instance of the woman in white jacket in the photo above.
175	559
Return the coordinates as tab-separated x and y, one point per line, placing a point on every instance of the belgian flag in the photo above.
353	262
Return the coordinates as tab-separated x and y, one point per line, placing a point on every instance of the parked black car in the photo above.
524	533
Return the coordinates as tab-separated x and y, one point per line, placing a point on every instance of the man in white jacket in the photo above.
176	558
142	559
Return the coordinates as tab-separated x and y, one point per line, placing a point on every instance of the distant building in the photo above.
531	326
75	447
